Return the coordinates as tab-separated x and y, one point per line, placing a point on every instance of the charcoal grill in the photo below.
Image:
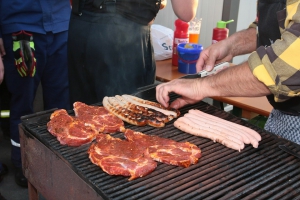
61	172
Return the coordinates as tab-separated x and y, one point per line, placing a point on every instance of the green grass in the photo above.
258	121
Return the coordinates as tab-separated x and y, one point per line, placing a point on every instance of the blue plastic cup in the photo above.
188	56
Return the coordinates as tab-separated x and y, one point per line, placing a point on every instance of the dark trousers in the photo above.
51	72
4	105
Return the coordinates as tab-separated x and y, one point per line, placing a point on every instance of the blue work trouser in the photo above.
51	72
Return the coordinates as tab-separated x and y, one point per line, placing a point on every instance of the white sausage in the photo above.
213	127
219	126
198	132
217	133
218	122
248	130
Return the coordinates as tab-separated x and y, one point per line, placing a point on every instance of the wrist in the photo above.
206	87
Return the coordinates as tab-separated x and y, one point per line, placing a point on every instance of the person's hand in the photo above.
23	48
239	43
163	4
188	89
214	54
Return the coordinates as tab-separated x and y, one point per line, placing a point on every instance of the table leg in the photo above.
218	104
237	111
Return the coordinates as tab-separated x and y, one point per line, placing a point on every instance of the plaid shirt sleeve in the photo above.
278	65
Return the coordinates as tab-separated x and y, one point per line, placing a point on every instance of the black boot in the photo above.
20	179
3	171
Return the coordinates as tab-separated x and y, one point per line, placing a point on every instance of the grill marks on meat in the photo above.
147	113
229	134
164	150
123	113
136	156
150	104
121	157
68	130
99	117
139	112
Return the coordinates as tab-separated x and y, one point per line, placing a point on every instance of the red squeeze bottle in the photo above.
220	32
181	35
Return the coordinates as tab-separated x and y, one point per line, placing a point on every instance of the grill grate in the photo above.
221	173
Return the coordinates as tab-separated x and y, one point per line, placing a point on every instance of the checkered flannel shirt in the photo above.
278	65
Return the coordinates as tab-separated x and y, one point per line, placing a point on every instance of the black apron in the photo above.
109	54
270	14
139	11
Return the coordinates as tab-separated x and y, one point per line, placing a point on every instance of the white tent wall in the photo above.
246	15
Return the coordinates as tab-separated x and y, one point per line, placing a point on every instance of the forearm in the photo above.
236	81
185	9
242	42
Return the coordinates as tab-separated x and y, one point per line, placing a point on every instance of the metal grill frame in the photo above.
221	173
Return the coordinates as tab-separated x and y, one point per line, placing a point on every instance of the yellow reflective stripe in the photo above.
20	60
33	72
4	114
16	45
20	73
15	143
23	71
32	45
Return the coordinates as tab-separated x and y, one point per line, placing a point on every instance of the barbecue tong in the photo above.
217	68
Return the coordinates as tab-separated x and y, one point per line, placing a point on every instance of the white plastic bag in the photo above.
162	40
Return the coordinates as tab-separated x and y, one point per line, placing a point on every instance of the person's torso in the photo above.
270	16
139	11
39	16
268	26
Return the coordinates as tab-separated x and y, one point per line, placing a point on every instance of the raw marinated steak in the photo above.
68	130
99	117
121	157
165	150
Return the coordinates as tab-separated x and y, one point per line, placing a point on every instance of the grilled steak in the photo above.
69	130
121	157
165	150
99	117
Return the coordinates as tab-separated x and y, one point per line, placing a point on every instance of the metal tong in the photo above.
218	67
